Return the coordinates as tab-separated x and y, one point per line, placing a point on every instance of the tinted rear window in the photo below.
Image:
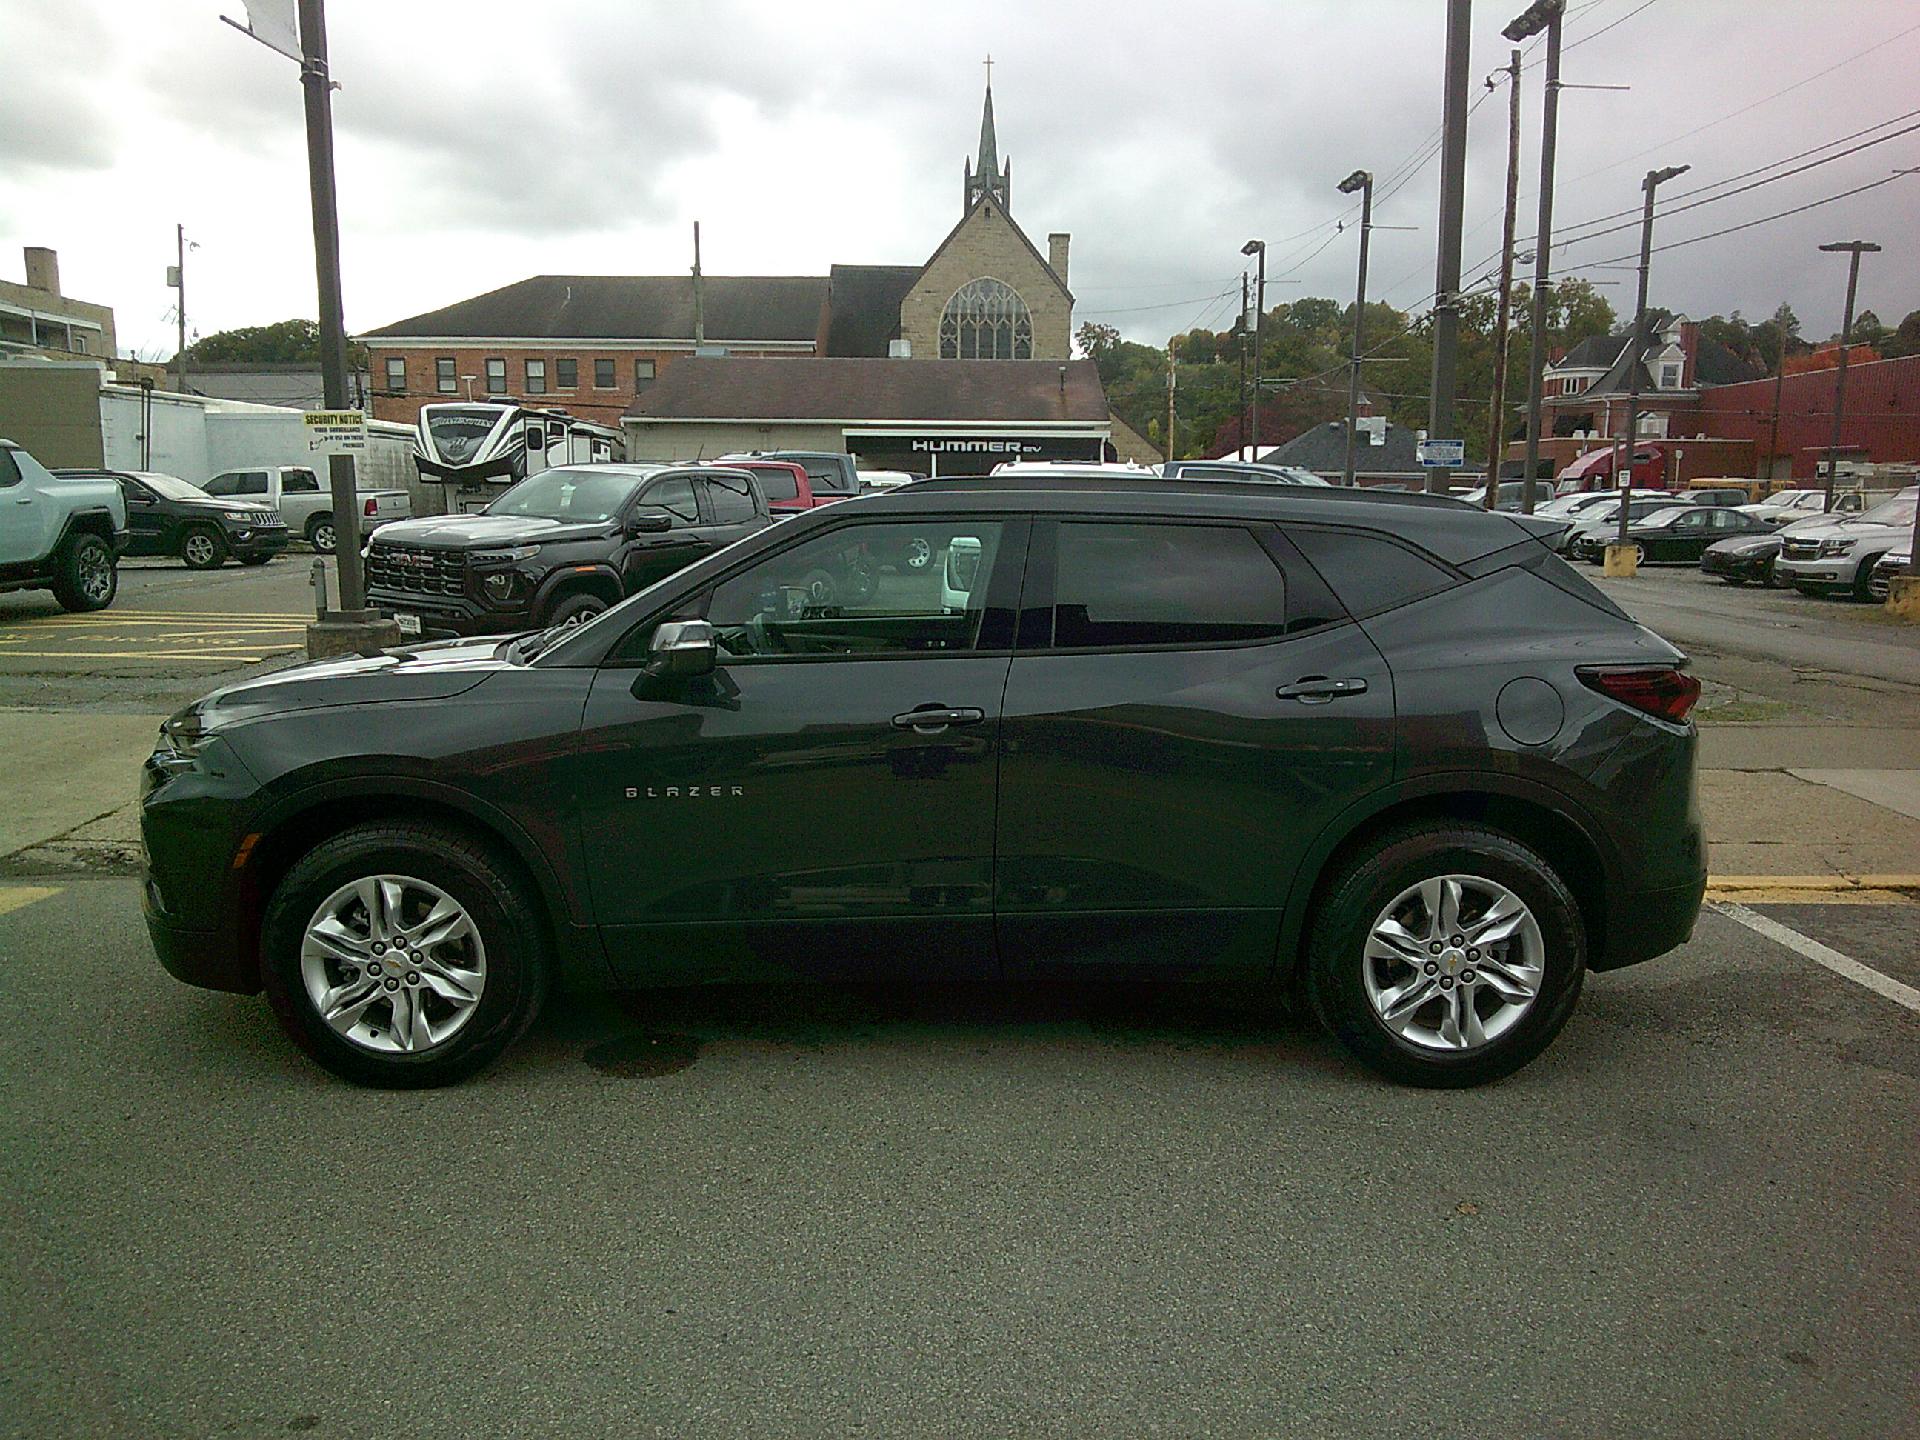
777	483
1369	573
1149	584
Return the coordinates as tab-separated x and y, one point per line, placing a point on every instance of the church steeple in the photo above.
993	177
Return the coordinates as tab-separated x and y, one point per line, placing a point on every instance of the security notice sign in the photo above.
336	432
1443	454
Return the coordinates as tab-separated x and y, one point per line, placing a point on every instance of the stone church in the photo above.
596	345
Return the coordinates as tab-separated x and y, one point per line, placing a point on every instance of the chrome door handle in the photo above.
1318	689
934	719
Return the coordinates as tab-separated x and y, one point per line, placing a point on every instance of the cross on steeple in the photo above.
989	64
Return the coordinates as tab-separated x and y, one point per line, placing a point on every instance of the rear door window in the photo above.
1370	572
9	470
731	497
1134	585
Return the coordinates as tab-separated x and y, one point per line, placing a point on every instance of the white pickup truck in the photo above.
304	501
59	533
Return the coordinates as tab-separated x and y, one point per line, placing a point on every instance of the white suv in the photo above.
1840	554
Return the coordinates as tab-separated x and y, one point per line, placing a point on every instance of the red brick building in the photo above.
1791	423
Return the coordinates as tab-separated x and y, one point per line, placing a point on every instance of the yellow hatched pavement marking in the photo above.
13	897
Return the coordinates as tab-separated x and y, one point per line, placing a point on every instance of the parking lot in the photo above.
1063	1210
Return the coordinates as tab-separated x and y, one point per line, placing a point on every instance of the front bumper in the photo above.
1834	573
266	540
449	618
208	958
1744	567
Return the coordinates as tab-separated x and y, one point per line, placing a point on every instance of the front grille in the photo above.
416	570
1799	549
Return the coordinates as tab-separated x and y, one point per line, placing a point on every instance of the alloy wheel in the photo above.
94	571
1453	963
393	964
198	550
323	538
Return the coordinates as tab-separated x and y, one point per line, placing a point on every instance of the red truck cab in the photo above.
1594	470
787	488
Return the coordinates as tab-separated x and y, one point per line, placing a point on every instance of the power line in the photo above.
1596	34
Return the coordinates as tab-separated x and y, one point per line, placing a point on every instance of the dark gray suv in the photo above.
1385	751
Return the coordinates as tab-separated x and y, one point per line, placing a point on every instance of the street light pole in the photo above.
1497	415
1361	180
1547	15
1242	328
1636	348
1854	248
1453	193
1257	247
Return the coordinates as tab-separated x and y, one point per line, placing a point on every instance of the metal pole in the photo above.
1497	416
333	329
1856	248
180	290
1365	179
1636	346
1242	427
1542	257
1779	382
1453	190
1259	247
1170	349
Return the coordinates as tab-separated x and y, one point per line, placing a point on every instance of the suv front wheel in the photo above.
1446	956
403	955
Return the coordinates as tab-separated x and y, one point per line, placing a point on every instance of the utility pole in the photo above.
1453	192
1547	15
1779	382
1497	415
180	307
1361	180
1242	327
1855	249
1171	347
1257	247
699	294
1636	348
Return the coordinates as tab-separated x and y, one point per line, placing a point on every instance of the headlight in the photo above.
508	556
181	740
500	585
1830	548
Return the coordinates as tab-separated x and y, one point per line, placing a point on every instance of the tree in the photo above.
284	342
1095	340
1867	329
1905	340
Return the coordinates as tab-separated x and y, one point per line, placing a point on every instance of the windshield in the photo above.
170	487
457	435
581	497
1897	511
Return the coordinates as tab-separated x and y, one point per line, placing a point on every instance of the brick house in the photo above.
1586	391
592	344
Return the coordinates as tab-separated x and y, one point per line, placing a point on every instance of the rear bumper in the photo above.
1649	923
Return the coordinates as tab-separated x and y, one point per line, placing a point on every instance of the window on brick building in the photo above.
444	379
396	373
496	376
643	372
566	374
536	377
603	375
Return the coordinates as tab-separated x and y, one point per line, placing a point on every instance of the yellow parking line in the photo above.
131	655
13	897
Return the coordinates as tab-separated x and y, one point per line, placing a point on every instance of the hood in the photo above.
466	532
1827	527
221	502
435	671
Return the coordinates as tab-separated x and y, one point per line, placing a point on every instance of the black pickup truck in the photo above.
558	548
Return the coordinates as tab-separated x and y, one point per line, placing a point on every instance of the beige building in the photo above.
37	318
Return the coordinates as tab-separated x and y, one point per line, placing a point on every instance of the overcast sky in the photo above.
482	142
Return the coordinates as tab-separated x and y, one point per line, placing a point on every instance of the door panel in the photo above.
774	813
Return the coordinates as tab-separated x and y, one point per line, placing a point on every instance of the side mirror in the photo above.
649	522
683	648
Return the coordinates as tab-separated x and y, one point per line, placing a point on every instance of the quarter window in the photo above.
603	374
444	379
536	377
496	376
1134	585
396	372
566	374
856	591
731	497
675	496
1369	573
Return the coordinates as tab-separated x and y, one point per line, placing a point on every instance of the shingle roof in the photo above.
864	303
1596	352
739	308
863	388
1323	450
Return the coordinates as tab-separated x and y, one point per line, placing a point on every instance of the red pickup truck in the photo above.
787	488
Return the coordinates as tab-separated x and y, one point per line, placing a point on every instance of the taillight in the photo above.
1666	692
372	507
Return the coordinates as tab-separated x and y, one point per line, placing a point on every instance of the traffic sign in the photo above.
1443	454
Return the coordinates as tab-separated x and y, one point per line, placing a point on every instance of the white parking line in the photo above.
1844	966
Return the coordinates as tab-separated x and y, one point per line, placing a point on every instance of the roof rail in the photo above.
1123	482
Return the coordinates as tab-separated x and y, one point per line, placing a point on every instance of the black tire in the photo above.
203	548
87	574
1863	578
320	534
255	559
576	609
1734	579
1362	890
517	966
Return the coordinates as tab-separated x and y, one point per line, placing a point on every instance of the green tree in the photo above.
1867	329
284	342
1905	340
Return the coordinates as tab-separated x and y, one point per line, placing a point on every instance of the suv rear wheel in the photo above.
86	576
403	955
1446	956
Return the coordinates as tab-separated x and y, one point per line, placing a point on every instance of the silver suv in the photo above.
1839	556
